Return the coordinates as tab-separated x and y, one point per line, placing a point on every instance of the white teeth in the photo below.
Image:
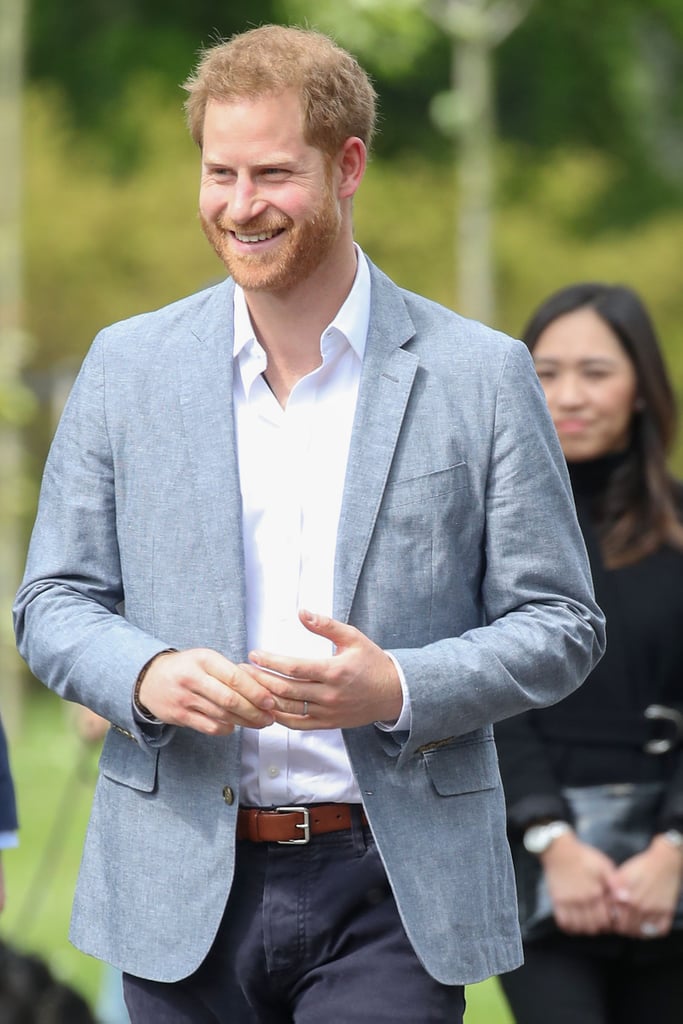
255	238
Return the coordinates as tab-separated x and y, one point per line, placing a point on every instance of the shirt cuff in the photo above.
404	720
8	840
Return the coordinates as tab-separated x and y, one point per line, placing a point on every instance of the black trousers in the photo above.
311	934
603	980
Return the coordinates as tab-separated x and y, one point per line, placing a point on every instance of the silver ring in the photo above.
305	708
649	929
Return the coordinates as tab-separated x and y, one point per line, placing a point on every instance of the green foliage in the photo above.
16	404
91	49
99	247
604	76
392	36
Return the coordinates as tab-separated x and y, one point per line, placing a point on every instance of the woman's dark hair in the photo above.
642	504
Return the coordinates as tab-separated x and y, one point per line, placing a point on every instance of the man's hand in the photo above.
357	685
200	689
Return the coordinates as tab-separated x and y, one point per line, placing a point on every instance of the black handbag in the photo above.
620	820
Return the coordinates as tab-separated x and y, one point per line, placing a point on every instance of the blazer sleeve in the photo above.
543	631
67	612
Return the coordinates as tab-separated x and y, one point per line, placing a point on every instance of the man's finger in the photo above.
340	633
237	681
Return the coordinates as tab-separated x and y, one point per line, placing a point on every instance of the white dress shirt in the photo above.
292	464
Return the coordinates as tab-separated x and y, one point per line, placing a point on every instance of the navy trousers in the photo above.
310	933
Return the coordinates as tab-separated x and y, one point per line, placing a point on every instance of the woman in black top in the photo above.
608	950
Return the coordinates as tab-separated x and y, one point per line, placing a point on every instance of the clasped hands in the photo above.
592	895
201	689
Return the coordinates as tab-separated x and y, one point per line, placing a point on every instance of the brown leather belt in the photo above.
294	825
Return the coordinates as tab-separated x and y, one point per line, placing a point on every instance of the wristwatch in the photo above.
538	838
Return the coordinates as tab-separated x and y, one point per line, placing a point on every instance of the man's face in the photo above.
267	201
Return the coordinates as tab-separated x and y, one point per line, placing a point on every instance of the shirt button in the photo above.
273	772
228	795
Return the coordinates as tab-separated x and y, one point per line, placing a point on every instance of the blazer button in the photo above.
228	795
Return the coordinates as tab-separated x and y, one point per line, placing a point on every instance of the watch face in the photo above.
535	839
538	838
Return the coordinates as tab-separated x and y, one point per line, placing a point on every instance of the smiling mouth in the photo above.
260	236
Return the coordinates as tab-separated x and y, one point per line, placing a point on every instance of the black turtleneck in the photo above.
596	735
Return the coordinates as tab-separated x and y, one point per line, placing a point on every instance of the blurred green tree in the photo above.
574	74
15	399
92	49
605	76
609	77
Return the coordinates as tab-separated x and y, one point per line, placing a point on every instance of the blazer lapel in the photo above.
207	416
386	382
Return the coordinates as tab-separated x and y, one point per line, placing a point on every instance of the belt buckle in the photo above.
304	825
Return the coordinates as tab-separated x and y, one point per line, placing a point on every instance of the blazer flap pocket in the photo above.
126	762
463	767
427	487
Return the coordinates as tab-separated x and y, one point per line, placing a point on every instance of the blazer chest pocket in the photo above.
422	490
463	767
127	763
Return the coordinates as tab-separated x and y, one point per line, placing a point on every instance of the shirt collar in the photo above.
351	320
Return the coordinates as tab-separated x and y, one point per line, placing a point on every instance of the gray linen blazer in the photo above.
458	550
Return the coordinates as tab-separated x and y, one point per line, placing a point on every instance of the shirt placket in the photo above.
284	561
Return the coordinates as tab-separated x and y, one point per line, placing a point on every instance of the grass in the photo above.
54	773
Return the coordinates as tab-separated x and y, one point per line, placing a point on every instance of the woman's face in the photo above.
590	384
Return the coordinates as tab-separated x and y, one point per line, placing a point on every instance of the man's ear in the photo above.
351	161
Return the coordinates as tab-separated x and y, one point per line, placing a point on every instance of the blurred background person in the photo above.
8	810
594	785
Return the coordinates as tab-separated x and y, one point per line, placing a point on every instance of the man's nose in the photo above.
245	202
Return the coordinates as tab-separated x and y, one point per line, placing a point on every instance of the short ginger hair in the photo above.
337	96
